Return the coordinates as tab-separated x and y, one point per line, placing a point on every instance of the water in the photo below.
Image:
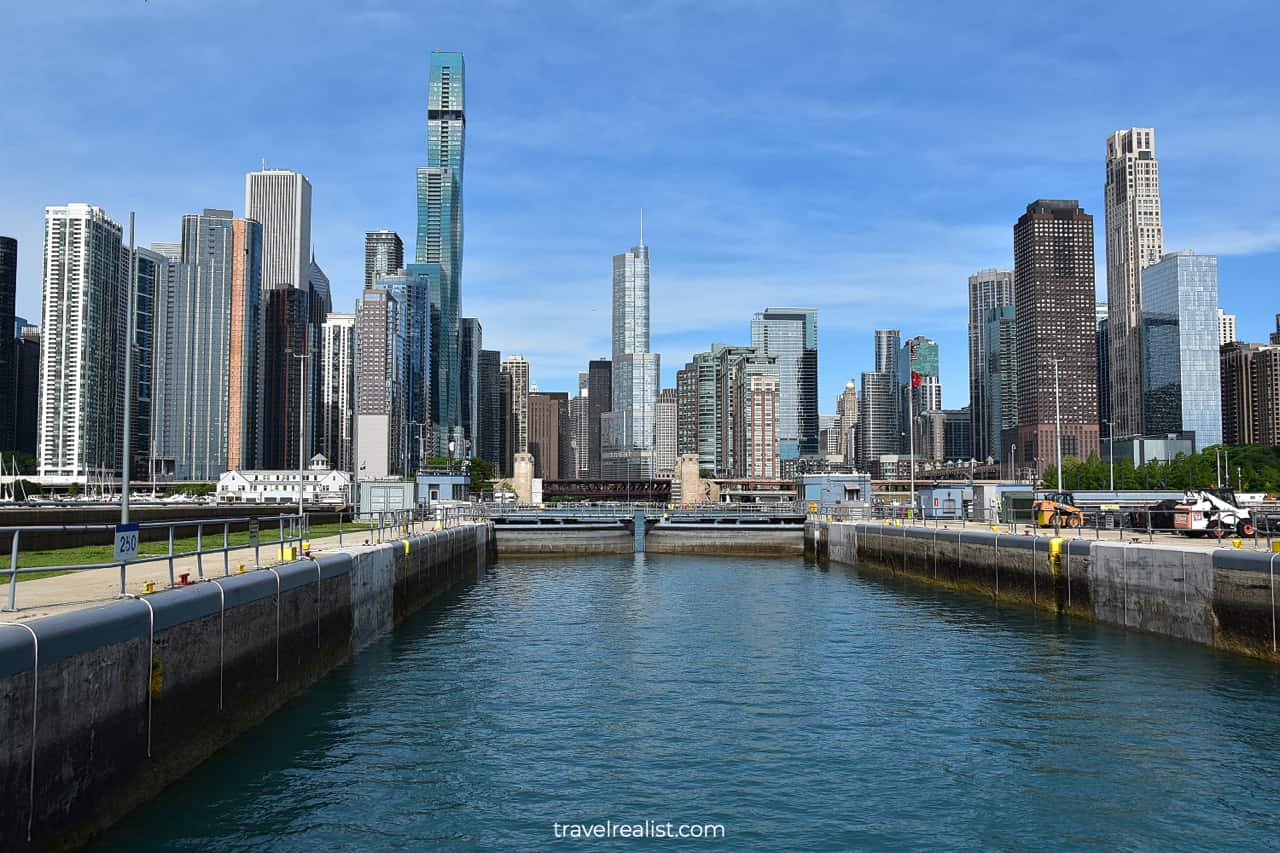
801	708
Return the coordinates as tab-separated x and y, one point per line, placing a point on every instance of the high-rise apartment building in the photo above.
411	290
1266	396
517	370
888	346
206	384
151	273
1135	240
687	410
877	418
27	388
8	344
379	432
580	420
599	401
1054	295
756	442
917	397
336	408
627	428
1181	368
727	403
1226	327
280	200
550	435
82	345
665	425
846	424
791	334
1102	333
487	444
439	237
288	390
989	289
471	336
1275	336
998	361
1250	375
383	254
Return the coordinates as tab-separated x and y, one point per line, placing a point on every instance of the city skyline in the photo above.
720	243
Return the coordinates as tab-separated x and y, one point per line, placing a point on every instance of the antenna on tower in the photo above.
642	226
264	164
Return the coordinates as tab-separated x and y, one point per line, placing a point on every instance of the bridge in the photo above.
726	529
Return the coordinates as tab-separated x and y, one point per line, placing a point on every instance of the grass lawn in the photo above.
81	555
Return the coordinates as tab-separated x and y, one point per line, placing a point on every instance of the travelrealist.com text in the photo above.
646	829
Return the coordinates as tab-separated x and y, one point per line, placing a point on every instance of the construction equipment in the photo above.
1057	509
1212	512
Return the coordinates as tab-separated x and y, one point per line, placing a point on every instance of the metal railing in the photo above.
213	537
1263	535
618	510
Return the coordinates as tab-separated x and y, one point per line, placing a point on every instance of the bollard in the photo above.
171	581
13	575
149	586
240	569
200	551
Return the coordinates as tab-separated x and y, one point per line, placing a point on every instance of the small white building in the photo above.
320	485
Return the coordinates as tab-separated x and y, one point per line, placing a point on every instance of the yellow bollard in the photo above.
1055	554
240	568
1236	543
406	547
306	545
149	587
1275	547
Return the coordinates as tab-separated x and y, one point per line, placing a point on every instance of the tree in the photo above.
481	475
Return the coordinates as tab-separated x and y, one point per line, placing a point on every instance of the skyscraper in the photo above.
27	390
847	421
1243	406
1135	239
206	393
666	414
1103	348
8	345
280	200
336	408
488	441
791	334
919	356
549	434
152	271
411	290
1054	295
1182	388
379	432
998	361
877	418
288	398
755	447
517	369
82	343
1226	327
472	341
599	401
888	345
627	429
439	237
687	409
383	254
580	419
988	289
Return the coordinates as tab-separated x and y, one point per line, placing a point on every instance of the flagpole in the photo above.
911	441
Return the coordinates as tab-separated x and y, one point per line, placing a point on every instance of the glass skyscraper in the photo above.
439	238
792	335
627	429
415	317
1182	382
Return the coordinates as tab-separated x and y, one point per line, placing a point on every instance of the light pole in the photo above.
1057	405
1111	447
302	432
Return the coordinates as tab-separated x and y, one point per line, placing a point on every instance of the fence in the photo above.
213	537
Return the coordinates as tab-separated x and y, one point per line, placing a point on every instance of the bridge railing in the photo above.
620	510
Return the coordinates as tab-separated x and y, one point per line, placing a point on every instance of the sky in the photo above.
860	158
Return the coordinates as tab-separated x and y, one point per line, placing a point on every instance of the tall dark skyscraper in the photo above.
288	334
1056	322
599	401
8	347
472	338
439	239
27	388
487	444
383	254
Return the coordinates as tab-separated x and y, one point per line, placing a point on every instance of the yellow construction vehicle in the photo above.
1056	509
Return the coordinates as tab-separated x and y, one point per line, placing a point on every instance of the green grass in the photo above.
81	555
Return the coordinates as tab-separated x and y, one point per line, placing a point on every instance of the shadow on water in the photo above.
803	706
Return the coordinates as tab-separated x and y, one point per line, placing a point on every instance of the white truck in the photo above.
1212	512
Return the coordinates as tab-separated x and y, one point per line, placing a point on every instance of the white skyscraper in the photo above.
82	337
517	368
664	431
337	388
1135	240
281	201
1226	327
627	430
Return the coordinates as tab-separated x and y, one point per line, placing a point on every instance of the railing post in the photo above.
226	554
280	541
339	527
171	577
200	551
13	574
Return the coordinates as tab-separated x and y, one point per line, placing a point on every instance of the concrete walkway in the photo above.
94	587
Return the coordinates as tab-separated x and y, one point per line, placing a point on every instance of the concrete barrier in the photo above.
130	696
1223	598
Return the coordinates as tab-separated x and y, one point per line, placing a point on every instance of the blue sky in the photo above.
863	158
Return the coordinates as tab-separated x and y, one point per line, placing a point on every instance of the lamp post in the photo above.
1111	447
302	432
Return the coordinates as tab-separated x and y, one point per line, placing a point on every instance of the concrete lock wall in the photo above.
1223	598
131	696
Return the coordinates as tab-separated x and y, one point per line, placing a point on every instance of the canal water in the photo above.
797	706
